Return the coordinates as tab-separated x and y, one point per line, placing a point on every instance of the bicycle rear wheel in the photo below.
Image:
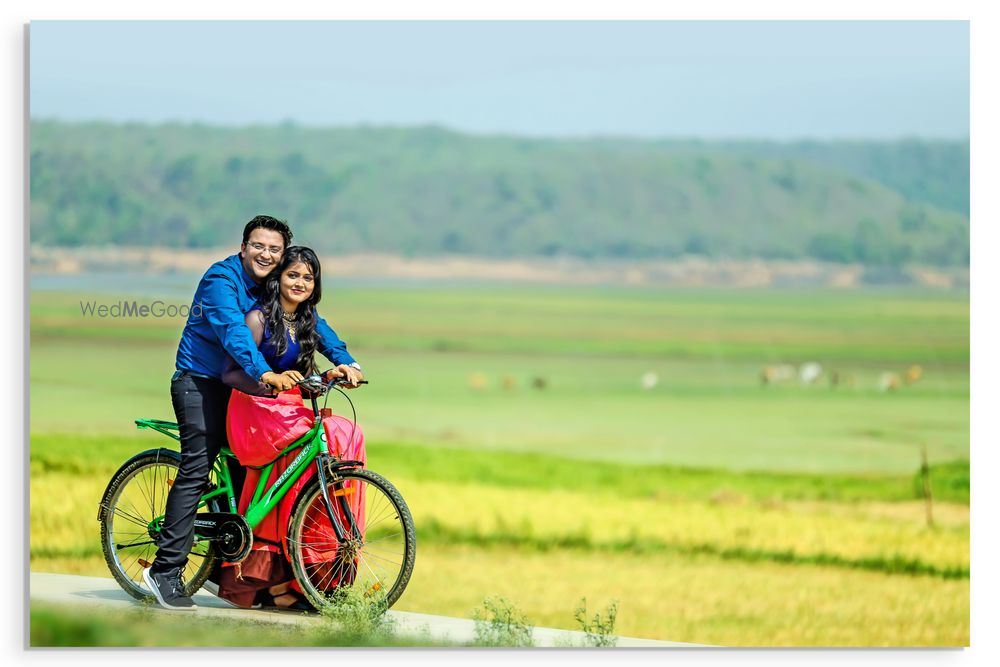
136	496
376	562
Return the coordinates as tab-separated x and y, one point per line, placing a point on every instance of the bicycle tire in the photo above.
383	503
136	494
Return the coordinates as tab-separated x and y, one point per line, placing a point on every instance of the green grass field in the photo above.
715	509
422	349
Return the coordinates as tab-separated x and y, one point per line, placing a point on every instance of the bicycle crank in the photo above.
229	532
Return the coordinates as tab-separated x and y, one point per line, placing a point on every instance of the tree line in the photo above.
429	191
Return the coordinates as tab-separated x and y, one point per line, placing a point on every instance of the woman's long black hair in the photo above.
305	314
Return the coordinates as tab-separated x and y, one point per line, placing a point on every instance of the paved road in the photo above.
105	592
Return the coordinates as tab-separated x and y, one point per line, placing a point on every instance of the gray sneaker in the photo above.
168	589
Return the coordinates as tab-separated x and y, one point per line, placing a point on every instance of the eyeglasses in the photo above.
259	247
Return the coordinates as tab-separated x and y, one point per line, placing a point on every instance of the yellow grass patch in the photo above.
698	599
846	530
671	594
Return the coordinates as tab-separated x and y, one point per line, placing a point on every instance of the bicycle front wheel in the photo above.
375	559
135	498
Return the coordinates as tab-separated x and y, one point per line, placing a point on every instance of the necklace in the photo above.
289	324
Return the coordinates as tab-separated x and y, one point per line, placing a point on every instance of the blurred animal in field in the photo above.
477	381
778	373
810	372
508	382
539	383
649	380
913	373
888	381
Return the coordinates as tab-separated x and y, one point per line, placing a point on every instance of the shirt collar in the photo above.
252	286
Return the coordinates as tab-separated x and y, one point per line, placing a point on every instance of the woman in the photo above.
284	328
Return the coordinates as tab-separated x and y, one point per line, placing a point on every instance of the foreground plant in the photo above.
358	620
499	623
600	629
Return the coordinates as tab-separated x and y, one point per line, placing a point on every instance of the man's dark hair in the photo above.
267	222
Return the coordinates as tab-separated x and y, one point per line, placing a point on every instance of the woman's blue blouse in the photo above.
284	362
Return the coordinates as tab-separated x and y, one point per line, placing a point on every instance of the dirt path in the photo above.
104	592
680	272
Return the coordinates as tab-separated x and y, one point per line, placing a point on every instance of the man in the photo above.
215	330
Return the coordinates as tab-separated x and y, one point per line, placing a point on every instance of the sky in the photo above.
782	80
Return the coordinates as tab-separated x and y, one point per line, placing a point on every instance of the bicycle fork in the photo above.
339	492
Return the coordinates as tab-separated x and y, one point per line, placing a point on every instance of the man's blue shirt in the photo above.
216	327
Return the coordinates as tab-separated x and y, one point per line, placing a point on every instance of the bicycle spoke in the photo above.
131	532
133	544
389	517
310	544
382	539
137	512
129	517
137	566
383	558
335	575
143	485
377	578
382	516
324	581
318	546
156	485
316	523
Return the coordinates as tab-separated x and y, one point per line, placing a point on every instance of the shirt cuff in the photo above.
259	372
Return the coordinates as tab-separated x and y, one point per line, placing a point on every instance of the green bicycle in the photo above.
349	529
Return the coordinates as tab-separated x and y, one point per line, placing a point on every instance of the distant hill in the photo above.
428	191
928	172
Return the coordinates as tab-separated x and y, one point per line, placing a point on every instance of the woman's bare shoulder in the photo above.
255	321
255	317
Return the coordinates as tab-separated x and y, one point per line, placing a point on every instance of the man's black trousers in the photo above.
200	405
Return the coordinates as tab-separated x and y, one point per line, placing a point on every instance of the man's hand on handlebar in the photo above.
282	382
351	376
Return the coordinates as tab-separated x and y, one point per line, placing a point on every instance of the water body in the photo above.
178	286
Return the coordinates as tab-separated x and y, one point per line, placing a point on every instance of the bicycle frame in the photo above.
266	498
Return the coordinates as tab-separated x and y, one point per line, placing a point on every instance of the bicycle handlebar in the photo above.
316	383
